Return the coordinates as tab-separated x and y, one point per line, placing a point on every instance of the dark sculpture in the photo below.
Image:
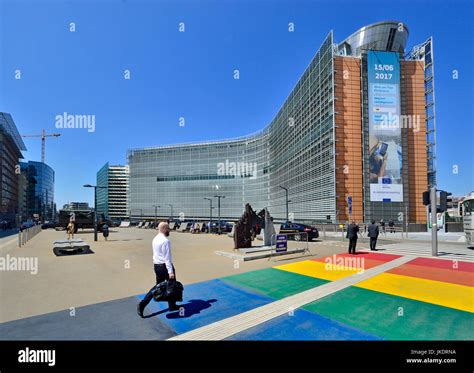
248	227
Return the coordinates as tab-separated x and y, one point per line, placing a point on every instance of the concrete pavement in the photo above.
374	295
120	267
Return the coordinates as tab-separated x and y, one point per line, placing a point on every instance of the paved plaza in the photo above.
391	294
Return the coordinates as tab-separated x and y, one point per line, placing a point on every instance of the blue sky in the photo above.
190	74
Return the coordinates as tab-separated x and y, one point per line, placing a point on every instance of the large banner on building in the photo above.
385	148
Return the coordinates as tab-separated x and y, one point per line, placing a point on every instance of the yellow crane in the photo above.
43	136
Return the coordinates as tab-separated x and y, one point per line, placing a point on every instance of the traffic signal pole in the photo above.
434	223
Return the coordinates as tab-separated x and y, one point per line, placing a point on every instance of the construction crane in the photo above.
43	136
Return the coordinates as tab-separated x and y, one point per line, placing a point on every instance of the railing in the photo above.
27	234
342	229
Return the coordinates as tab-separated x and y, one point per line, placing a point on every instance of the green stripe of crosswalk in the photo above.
395	318
274	283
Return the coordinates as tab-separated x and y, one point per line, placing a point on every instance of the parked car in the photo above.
27	224
116	223
225	227
290	227
49	224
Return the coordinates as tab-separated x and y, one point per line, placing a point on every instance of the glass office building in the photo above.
320	145
11	146
39	191
112	199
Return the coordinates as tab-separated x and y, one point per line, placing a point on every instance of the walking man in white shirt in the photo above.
164	269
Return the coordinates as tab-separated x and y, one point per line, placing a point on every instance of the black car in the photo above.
49	225
225	227
290	227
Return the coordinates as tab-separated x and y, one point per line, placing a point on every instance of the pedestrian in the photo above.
352	231
163	266
105	231
382	224
373	234
391	225
70	230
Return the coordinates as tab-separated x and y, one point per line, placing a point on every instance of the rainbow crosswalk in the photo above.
425	299
422	299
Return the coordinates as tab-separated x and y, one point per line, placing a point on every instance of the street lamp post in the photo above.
156	207
95	205
286	192
170	205
219	211
210	213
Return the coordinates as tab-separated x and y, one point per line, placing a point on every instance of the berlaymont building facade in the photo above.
354	139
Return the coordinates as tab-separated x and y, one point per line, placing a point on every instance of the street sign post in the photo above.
434	223
281	243
349	204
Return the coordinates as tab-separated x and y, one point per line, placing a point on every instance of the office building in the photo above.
11	146
355	139
76	206
39	191
112	199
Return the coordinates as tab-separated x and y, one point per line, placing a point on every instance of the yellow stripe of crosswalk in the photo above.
436	292
318	269
441	293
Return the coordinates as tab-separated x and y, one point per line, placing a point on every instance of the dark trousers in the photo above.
161	275
373	242
352	245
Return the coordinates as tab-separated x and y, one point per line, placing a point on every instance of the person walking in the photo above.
105	231
373	234
391	226
70	230
352	231
382	224
163	266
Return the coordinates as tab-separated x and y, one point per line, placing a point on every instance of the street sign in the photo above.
281	243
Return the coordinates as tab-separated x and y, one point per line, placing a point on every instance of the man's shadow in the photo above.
189	309
193	307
